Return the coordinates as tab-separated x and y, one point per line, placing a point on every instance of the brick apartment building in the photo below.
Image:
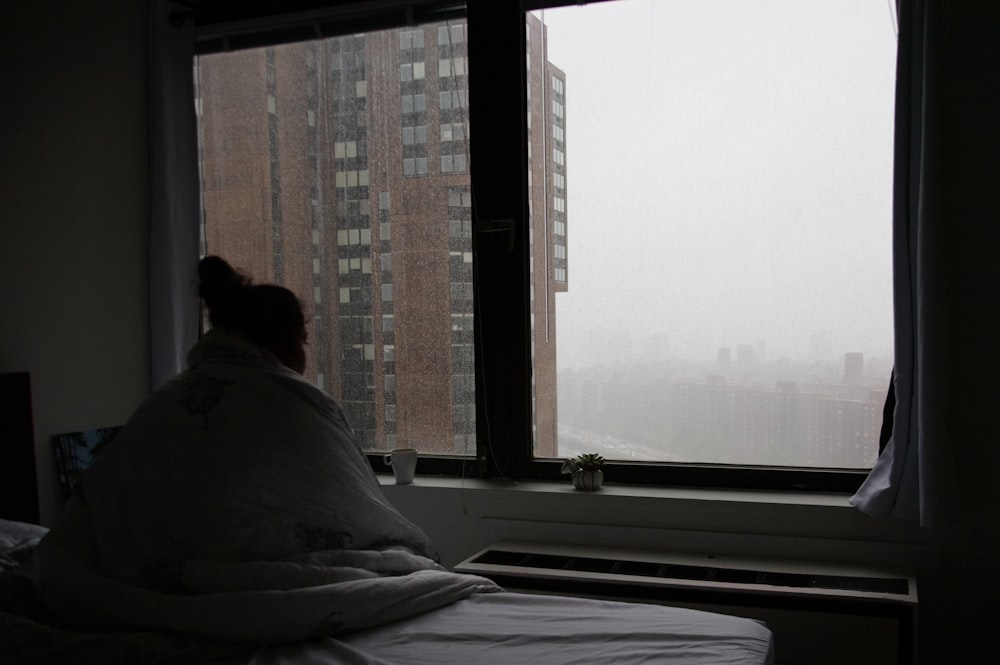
339	167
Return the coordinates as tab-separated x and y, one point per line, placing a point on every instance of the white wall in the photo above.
463	516
74	199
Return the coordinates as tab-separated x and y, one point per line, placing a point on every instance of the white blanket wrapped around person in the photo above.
236	504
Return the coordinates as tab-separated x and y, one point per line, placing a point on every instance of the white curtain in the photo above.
913	478
174	209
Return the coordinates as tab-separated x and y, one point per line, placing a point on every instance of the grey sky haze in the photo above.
729	174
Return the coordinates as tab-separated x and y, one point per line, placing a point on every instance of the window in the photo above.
729	228
411	71
456	131
646	228
452	67
453	34
413	103
325	228
411	39
454	99
414	135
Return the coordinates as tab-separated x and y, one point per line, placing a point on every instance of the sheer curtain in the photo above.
913	478
173	238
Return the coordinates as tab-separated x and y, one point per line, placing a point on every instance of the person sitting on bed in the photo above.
235	503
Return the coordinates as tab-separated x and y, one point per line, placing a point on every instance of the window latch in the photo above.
500	226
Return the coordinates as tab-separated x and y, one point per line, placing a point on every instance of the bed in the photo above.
482	628
234	519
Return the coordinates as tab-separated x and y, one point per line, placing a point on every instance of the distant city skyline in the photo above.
738	409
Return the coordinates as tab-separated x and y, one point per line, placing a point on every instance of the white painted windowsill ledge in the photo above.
423	483
470	513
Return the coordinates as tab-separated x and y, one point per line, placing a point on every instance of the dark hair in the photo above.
267	314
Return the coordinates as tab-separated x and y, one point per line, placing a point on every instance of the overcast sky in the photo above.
729	168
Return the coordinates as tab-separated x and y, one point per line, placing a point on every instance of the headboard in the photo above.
18	476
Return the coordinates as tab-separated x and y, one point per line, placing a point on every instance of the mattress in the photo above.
481	629
505	628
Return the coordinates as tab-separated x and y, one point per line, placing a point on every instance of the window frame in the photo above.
497	52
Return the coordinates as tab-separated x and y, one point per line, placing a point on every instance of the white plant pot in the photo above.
588	480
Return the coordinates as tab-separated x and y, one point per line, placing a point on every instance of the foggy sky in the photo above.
729	175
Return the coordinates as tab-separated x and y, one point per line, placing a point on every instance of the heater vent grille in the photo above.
671	571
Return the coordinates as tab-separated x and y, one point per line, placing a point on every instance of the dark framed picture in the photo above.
76	451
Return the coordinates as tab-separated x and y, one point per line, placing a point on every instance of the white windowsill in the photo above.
789	498
469	513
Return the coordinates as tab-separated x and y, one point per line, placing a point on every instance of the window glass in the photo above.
297	190
723	295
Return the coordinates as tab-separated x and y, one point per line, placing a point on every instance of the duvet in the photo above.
235	504
233	521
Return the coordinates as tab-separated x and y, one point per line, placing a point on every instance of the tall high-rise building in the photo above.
340	168
546	97
854	369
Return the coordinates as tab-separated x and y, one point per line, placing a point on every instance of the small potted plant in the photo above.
586	470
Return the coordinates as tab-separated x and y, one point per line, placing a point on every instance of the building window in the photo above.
452	67
411	39
411	71
415	166
414	135
454	131
413	103
451	34
454	99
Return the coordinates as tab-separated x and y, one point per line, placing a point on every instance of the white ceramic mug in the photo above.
403	462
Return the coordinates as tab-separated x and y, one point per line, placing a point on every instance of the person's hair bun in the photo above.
269	315
218	281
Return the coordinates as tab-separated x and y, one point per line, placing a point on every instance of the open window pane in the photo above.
318	173
713	254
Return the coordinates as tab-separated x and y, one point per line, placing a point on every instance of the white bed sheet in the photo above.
527	629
